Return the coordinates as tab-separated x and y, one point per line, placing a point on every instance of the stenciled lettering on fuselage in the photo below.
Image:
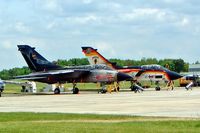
153	77
105	76
161	76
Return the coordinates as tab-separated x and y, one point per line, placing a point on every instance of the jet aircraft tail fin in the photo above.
35	61
94	57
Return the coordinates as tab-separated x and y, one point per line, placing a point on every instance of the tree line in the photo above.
177	65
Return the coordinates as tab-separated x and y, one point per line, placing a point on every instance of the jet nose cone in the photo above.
174	75
123	76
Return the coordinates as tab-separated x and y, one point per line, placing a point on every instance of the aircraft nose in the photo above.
123	76
174	75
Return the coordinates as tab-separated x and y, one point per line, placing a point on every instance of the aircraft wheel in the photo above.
133	88
75	90
57	91
157	88
118	88
102	91
23	89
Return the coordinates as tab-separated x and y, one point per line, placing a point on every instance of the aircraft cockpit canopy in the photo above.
153	67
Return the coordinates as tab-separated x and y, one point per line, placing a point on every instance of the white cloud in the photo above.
144	13
153	20
87	1
76	32
51	25
33	42
51	5
185	22
105	47
197	30
21	27
110	6
83	19
139	28
7	44
174	1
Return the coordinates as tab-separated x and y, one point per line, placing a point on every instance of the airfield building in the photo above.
194	69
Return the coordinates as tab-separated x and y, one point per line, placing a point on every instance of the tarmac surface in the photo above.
176	103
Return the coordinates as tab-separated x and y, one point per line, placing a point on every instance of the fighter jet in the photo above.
47	72
151	73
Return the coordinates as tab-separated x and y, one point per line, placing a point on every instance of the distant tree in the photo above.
11	73
72	62
186	67
197	62
177	65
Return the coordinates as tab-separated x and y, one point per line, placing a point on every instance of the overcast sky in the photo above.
125	29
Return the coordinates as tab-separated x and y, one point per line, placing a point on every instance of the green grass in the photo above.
9	88
86	123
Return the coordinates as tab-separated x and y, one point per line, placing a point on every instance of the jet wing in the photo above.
56	74
33	76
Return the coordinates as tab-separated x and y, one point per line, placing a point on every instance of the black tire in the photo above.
133	88
75	90
57	91
103	91
157	88
23	89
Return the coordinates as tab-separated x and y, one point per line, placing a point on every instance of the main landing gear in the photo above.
169	86
75	89
157	86
103	90
57	89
